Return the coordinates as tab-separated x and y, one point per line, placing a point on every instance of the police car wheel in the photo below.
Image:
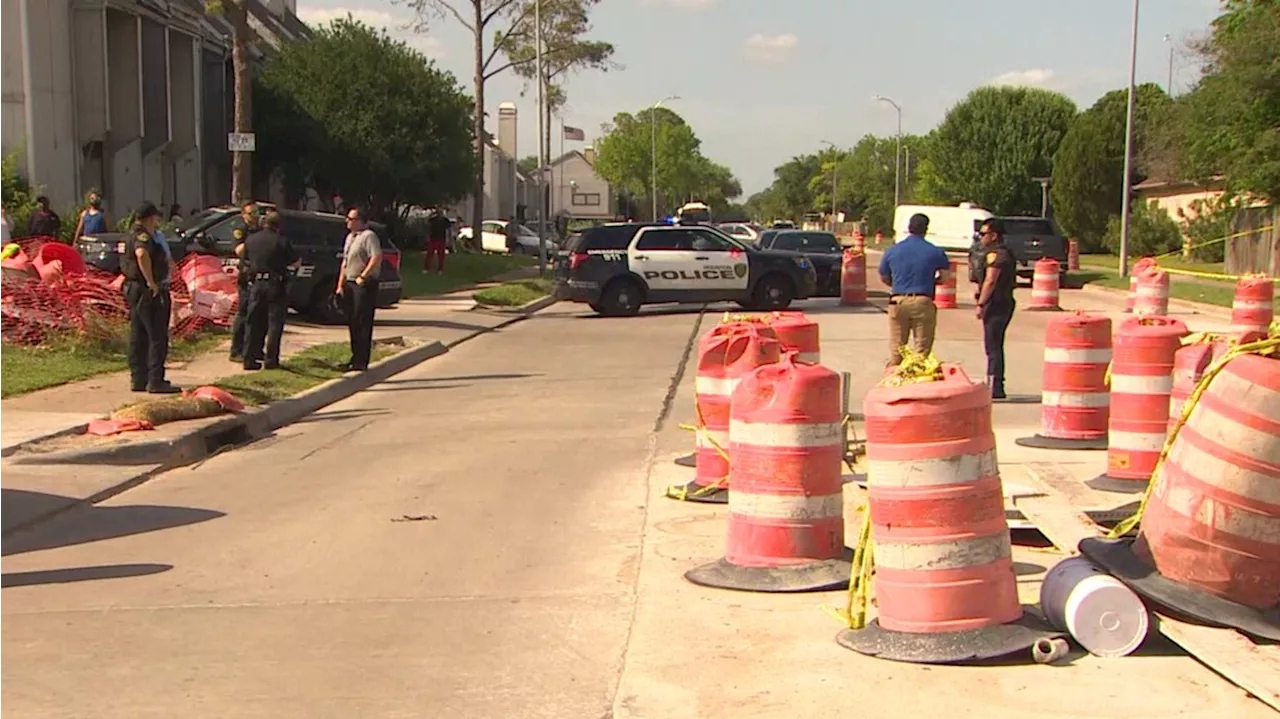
773	293
621	298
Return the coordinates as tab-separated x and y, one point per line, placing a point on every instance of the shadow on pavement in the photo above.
80	574
461	378
341	414
86	523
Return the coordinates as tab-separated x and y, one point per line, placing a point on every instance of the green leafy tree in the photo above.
991	145
793	186
715	186
1087	186
565	50
528	164
1229	125
624	156
501	20
1151	232
414	150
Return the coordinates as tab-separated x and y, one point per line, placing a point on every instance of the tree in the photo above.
564	24
237	14
1087	186
413	150
792	186
991	145
624	156
1229	125
505	18
528	164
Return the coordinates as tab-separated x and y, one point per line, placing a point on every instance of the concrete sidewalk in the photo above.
58	410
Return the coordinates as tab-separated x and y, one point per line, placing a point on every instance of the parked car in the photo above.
822	248
493	238
103	250
743	232
318	238
1030	239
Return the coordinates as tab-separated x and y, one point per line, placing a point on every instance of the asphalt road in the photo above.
461	541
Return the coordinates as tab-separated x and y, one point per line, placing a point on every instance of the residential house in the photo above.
1178	199
578	192
507	191
131	97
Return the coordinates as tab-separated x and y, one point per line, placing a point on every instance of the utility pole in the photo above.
1128	149
835	167
653	154
897	153
1044	195
543	180
1169	85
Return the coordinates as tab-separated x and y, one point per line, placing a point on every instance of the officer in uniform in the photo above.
270	258
241	228
995	301
145	266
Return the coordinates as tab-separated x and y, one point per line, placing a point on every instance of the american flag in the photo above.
574	133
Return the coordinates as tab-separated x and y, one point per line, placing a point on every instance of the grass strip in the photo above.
310	367
461	271
514	294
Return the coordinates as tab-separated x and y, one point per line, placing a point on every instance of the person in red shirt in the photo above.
437	241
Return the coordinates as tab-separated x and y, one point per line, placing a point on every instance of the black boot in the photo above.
997	388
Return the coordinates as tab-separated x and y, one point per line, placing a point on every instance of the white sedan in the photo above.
493	238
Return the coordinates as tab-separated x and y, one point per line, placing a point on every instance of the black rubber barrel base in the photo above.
948	647
693	492
815	576
1040	441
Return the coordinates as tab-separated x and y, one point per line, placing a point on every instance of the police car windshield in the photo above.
200	219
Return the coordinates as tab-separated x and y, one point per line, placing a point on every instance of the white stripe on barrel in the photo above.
1141	384
811	357
786	506
1092	400
960	469
719	386
948	554
1060	355
820	434
1135	441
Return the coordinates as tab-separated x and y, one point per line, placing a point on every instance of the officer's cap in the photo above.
145	210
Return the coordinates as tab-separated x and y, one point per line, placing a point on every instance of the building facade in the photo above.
132	98
578	192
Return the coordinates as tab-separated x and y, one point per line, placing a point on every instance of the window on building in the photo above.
587	199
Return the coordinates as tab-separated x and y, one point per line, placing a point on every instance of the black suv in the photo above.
318	237
822	248
616	268
1030	239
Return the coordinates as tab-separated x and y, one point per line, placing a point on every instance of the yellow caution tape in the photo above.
915	368
1268	346
681	491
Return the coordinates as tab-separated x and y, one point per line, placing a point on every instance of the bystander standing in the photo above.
912	268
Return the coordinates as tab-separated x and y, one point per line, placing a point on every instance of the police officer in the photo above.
241	227
995	301
269	257
145	266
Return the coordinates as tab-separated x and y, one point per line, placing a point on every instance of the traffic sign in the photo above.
241	142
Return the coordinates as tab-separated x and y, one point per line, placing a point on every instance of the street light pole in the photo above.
653	155
1169	86
897	152
1128	149
835	167
543	189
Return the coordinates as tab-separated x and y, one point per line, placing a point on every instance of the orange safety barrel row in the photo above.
944	293
1141	385
1254	306
853	278
1045	285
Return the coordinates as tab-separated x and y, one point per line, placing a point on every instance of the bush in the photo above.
1206	223
1151	232
18	197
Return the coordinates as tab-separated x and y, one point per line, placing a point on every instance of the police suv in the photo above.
616	268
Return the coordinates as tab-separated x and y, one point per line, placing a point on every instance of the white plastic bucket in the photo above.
1103	615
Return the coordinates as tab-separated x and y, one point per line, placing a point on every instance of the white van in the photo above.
950	228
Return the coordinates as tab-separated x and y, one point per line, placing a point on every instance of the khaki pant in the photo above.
914	317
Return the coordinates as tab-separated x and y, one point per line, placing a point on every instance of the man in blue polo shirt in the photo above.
912	268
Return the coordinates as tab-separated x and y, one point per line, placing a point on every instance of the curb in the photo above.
237	429
527	308
65	432
1186	305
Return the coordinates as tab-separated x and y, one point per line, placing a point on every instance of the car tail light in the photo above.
393	258
576	259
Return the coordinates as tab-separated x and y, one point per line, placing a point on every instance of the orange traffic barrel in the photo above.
725	354
1254	306
859	242
1075	404
1211	527
786	509
944	292
944	578
1189	366
1138	268
1151	295
1073	254
1141	386
1044	285
853	278
797	333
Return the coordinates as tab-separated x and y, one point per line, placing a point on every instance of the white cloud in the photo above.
1038	77
684	4
770	48
397	25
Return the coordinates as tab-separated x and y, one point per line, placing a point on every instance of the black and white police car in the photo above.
616	268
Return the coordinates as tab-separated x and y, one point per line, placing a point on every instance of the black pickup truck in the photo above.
1029	239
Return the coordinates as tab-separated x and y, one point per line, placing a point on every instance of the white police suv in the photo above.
617	268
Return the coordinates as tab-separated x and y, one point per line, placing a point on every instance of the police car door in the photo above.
664	258
722	265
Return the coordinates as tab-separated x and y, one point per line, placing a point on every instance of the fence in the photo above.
1257	246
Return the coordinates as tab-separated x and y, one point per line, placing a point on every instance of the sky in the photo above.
762	81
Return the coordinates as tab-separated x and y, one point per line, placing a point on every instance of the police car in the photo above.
318	237
616	268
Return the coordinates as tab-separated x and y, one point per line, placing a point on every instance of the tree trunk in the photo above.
477	189
241	162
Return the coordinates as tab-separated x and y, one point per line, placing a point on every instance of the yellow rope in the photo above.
681	491
1261	347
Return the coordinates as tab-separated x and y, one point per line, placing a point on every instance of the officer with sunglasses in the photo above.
995	299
